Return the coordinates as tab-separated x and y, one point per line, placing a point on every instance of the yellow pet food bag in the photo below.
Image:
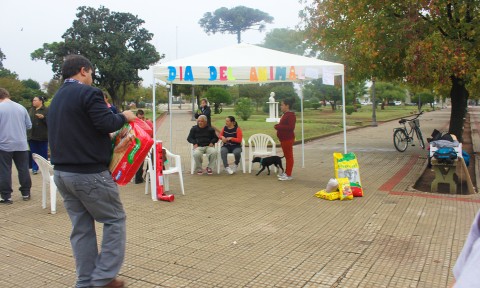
344	188
328	196
346	166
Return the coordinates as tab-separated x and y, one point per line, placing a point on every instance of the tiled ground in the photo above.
254	231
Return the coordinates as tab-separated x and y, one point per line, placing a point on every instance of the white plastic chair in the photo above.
173	165
46	169
192	161
242	156
258	147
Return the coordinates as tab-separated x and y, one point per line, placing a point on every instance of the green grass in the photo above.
316	122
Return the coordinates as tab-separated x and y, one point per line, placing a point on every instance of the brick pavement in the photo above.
248	231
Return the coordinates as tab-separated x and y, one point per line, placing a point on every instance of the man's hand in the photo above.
211	145
129	115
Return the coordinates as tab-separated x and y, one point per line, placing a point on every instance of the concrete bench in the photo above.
444	173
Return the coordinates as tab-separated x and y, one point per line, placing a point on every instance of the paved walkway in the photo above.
248	231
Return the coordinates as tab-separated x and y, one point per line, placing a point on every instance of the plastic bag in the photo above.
346	165
357	190
344	189
131	145
332	185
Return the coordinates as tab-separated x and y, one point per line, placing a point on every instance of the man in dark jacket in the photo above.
79	123
203	138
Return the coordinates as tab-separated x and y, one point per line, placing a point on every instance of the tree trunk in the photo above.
239	37
459	98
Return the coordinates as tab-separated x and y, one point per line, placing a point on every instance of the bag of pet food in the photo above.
357	190
323	194
131	145
332	185
344	189
142	124
346	166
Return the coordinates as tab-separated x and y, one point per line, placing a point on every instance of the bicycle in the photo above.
402	136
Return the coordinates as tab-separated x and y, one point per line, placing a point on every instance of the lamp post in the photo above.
374	104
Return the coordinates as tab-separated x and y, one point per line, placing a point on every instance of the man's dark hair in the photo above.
289	102
72	64
140	112
4	93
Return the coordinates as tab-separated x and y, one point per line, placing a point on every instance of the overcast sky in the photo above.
27	24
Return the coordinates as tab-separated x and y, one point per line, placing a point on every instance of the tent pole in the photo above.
303	134
154	108
170	114
193	103
344	117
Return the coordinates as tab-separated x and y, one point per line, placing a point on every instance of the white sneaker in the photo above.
285	178
234	168
229	170
281	175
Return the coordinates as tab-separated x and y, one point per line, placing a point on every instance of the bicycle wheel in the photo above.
400	140
420	137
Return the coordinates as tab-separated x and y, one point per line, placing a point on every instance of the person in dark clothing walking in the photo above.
79	124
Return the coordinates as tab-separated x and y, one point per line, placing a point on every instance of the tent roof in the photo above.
243	64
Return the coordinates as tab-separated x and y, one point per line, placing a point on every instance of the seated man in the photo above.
203	138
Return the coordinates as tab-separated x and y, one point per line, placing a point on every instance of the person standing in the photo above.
285	133
465	270
203	138
38	135
139	175
205	110
14	122
231	136
79	124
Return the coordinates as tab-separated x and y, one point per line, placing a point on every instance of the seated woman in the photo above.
231	136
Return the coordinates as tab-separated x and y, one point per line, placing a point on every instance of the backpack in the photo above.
445	155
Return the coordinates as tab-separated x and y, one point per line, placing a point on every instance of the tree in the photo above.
52	86
316	89
428	43
285	40
32	84
244	108
422	98
257	93
114	42
387	91
2	57
217	96
234	21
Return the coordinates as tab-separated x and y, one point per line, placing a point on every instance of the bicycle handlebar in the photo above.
403	120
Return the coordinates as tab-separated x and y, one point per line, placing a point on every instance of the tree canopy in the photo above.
234	21
218	95
285	40
428	43
2	57
115	43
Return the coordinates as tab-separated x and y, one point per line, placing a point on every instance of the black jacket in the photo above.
202	136
207	112
39	131
79	123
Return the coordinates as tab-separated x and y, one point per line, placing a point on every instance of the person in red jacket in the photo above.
286	135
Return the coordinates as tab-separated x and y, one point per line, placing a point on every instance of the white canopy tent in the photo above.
248	64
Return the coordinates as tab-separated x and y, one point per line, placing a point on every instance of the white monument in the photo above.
273	109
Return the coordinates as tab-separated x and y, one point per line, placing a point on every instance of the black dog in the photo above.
267	161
